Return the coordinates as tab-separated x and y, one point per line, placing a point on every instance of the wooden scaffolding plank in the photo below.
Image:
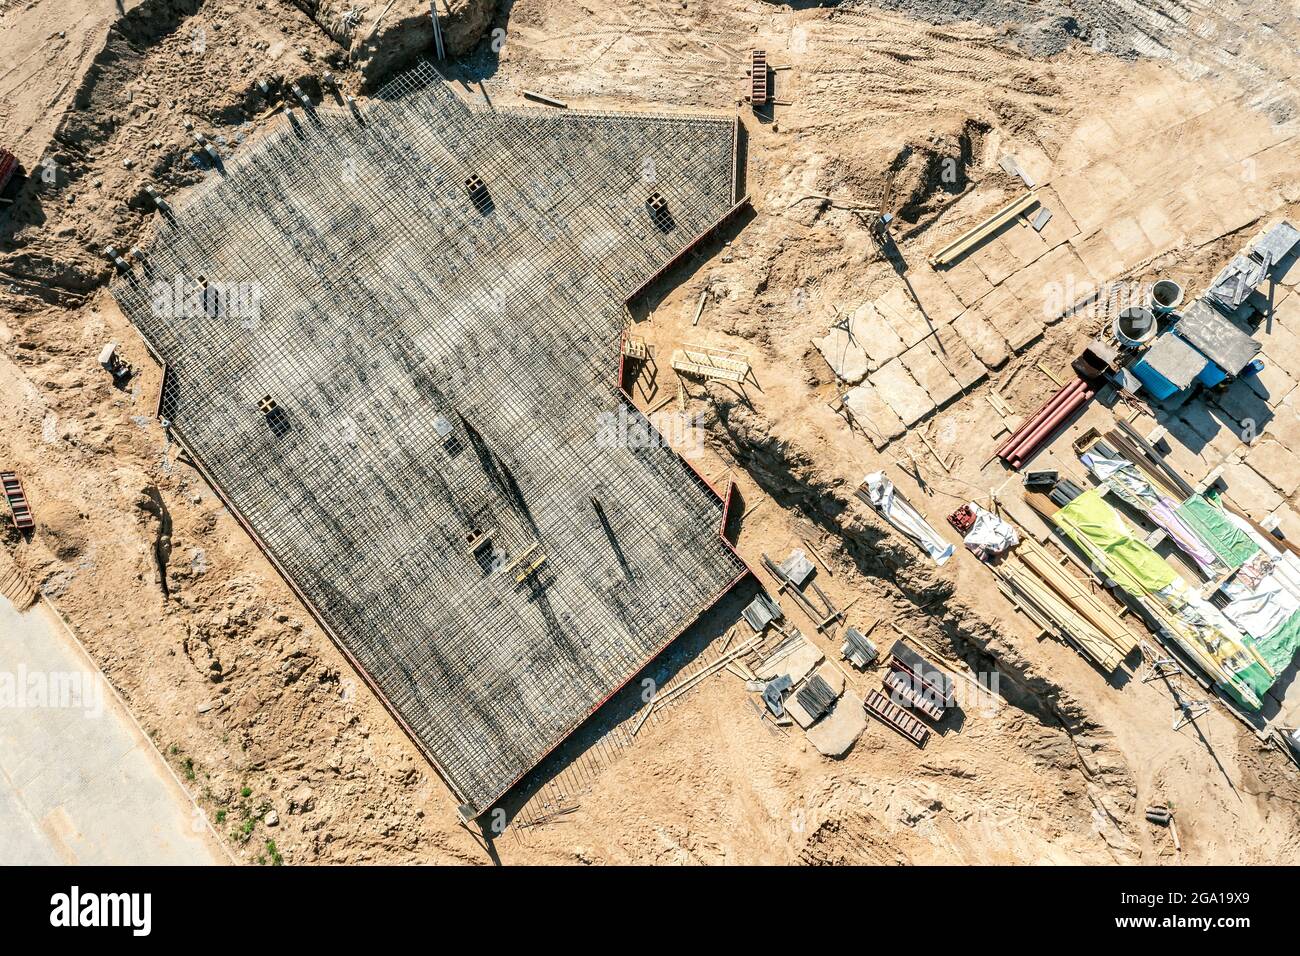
1103	617
969	239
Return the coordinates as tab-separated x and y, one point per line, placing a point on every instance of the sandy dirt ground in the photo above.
227	672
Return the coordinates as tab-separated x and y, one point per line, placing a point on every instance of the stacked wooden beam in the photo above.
1060	603
880	707
8	166
12	487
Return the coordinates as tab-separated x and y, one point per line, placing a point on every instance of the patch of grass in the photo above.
187	765
276	858
221	816
246	792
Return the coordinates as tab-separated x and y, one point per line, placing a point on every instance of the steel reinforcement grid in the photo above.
440	370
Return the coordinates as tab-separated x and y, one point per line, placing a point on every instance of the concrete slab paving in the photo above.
1288	523
983	339
896	386
1183	449
1062	226
967	282
873	414
1019	324
930	373
1249	490
1281	344
1271	383
1218	436
1161	231
1287	272
1276	463
1132	244
80	783
1058	277
875	334
845	354
940	304
1099	256
996	261
907	321
958	358
1285	423
1022	243
1241	402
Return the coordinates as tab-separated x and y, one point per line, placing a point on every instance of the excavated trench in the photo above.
920	600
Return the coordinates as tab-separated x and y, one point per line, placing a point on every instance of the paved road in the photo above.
79	781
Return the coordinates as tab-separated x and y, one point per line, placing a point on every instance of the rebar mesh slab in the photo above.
438	298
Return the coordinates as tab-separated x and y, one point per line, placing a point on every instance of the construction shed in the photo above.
1215	337
415	423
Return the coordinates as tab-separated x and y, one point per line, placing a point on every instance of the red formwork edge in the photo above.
687	249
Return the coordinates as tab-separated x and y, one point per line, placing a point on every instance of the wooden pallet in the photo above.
758	90
17	498
710	364
636	348
904	688
880	707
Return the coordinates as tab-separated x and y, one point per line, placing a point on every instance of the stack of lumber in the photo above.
1059	602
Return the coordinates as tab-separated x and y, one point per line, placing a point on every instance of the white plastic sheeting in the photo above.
896	509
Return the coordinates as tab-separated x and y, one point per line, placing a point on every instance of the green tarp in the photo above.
1279	647
1211	525
1137	568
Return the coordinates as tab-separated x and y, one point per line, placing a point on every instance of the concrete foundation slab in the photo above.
430	363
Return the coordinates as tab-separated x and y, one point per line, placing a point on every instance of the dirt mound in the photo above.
388	37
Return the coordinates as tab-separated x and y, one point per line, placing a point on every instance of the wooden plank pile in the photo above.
879	706
1060	603
915	684
758	89
711	364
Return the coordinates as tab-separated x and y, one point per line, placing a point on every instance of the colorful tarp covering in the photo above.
1096	526
1233	546
1265	598
1224	652
1133	488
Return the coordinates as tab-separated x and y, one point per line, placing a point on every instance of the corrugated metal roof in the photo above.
1218	339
